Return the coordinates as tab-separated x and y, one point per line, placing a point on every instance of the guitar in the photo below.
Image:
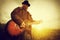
14	29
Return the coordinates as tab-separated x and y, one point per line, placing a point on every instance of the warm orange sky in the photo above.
45	10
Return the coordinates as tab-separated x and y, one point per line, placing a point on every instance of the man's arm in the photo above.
15	17
30	17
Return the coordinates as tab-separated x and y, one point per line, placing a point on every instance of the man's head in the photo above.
25	4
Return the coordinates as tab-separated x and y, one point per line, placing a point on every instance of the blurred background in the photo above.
48	11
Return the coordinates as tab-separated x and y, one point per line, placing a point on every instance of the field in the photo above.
46	34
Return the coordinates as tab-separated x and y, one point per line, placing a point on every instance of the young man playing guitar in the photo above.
19	26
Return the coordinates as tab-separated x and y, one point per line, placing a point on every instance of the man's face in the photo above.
25	6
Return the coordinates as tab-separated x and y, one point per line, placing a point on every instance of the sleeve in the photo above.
15	17
30	17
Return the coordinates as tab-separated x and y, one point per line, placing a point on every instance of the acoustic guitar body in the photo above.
14	29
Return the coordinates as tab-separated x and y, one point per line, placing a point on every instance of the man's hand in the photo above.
23	25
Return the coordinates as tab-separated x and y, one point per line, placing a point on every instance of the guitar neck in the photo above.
35	23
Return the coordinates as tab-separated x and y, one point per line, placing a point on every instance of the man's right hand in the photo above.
22	25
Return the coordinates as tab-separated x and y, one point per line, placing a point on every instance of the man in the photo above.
22	17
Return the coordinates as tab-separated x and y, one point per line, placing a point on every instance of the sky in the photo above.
46	11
